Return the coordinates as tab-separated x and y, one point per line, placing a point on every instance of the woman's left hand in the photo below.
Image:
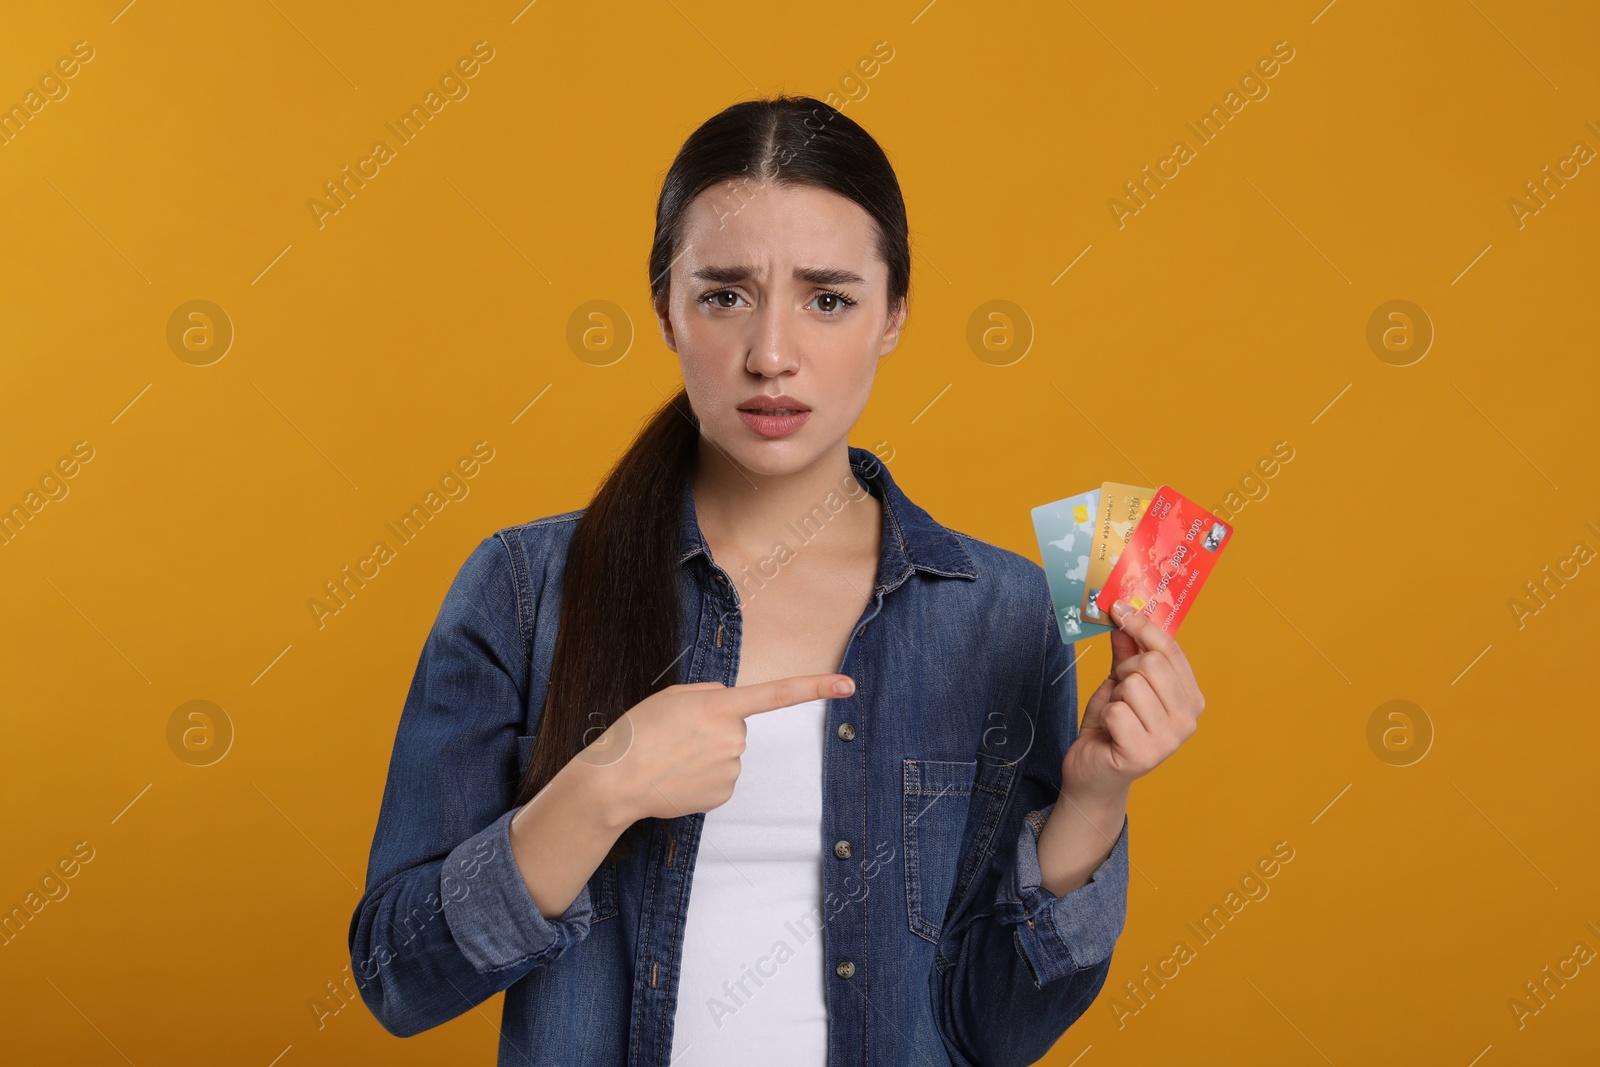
1139	715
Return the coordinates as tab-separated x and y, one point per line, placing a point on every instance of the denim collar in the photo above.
912	539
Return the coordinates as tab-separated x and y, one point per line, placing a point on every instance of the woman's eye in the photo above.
713	297
839	302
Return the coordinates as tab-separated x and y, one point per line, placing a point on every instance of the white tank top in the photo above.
752	983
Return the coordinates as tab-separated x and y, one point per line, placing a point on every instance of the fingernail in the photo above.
844	687
1121	609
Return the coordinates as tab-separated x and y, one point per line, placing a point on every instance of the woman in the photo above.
753	666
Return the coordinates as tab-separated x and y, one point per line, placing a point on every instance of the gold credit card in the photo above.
1121	507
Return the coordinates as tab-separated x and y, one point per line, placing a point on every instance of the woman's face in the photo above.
778	289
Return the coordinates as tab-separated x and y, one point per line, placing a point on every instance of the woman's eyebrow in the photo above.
814	275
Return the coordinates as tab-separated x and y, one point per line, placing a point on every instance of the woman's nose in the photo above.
773	341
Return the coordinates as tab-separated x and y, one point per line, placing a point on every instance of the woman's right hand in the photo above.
677	751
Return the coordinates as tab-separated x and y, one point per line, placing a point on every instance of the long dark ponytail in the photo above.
618	639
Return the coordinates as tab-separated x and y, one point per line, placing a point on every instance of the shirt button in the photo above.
847	731
845	969
841	849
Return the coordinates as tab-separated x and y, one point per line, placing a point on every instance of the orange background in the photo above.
1228	314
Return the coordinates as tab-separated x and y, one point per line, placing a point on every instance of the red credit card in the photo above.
1171	552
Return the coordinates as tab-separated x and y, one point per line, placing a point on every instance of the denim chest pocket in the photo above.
936	796
603	884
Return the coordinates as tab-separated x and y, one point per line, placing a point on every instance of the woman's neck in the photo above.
744	515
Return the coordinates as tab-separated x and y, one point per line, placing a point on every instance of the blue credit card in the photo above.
1065	528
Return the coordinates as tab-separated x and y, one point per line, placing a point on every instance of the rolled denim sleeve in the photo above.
494	919
446	920
1063	934
1017	965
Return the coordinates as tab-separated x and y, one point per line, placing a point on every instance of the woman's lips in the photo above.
774	425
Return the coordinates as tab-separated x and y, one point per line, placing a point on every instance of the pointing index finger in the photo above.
747	700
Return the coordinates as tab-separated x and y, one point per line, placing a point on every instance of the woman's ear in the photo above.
891	331
664	320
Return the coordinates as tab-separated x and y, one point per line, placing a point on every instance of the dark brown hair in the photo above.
617	640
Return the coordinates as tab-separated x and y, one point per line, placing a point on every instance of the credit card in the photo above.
1167	559
1065	529
1120	509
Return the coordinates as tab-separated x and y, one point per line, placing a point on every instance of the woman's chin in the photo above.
768	456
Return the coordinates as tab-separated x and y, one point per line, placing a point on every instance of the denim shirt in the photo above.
938	773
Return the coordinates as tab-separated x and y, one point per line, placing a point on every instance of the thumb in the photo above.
1122	646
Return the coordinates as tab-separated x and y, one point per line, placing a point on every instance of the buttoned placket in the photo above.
844	820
